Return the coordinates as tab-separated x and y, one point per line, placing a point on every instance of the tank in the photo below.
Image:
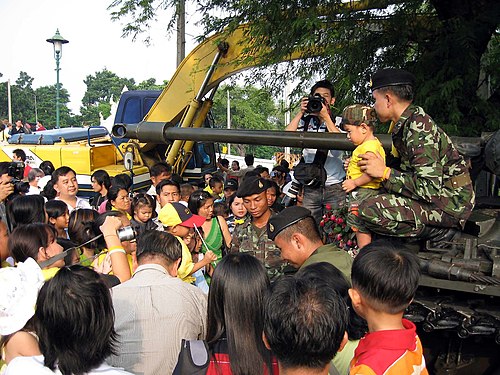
457	306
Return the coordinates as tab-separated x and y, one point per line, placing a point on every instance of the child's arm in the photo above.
351	184
207	259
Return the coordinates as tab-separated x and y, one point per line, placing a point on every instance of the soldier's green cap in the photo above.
391	77
284	219
252	185
357	114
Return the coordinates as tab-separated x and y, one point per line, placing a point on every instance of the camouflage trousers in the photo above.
399	216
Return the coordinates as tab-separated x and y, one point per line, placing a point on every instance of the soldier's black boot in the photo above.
438	235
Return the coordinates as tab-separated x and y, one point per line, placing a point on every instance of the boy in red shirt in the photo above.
384	282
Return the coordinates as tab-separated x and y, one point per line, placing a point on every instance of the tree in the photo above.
447	44
27	102
251	108
102	87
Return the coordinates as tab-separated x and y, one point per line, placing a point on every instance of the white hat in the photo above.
19	288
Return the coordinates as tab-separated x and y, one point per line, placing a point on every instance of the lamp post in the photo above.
57	41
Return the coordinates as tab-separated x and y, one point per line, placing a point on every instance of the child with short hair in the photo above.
384	282
359	122
58	214
143	208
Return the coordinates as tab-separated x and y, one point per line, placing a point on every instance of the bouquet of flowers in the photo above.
335	229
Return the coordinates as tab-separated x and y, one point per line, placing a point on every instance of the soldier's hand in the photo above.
349	185
372	164
6	187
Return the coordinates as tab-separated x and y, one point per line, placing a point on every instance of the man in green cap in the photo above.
295	232
251	236
426	191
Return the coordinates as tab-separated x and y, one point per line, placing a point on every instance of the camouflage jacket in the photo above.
431	169
246	239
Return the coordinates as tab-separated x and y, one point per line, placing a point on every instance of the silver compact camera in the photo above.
126	233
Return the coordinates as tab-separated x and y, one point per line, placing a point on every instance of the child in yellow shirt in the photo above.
359	122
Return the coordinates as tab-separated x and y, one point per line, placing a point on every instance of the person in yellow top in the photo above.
359	122
177	220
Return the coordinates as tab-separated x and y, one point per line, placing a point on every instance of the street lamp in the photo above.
57	40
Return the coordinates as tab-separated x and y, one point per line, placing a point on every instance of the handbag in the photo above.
194	358
312	174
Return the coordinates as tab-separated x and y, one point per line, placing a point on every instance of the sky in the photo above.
95	43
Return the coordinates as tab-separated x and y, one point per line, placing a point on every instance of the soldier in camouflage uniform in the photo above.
251	236
429	194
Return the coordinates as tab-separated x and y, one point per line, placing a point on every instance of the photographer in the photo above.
313	118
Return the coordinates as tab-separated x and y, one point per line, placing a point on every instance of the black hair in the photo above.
48	191
20	154
304	322
215	180
224	163
143	199
237	162
284	163
249	159
160	168
404	92
55	208
221	209
323	272
198	200
326	84
25	241
26	209
123	180
163	183
186	189
100	242
47	167
271	184
307	227
252	173
155	243
74	321
235	302
4	167
385	276
81	227
261	169
102	178
61	171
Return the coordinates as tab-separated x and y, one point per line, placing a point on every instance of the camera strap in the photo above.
62	255
321	154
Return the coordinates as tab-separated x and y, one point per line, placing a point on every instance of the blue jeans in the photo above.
317	199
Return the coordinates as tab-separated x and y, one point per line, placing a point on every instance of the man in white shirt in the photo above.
66	186
155	310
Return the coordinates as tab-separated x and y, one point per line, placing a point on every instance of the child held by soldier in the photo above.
384	282
359	122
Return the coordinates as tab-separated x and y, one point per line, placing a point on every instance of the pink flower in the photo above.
349	243
338	237
322	223
333	218
340	220
328	206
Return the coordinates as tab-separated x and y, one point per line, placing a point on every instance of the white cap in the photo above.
18	294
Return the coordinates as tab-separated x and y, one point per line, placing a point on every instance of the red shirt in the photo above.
391	352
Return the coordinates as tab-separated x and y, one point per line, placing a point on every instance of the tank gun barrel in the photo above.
157	132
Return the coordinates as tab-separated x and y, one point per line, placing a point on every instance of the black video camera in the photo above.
16	171
315	103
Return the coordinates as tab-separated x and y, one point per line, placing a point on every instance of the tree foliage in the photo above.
251	108
30	104
448	44
102	87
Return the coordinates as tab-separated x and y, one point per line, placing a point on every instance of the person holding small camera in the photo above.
313	118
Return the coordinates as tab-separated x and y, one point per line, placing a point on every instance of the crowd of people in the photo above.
227	275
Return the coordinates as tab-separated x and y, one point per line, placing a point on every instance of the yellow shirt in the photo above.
186	265
353	171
